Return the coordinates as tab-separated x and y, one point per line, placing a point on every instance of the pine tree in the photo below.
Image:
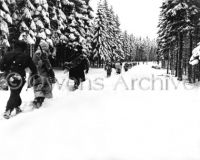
79	15
126	45
178	22
193	14
30	20
110	24
5	22
107	43
117	37
101	49
133	47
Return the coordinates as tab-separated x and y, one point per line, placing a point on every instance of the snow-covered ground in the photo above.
131	116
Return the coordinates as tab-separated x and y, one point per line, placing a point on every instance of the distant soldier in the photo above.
108	68
118	67
126	67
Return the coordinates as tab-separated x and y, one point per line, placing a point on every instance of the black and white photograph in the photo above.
99	79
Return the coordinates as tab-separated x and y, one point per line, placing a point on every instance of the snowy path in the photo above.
111	119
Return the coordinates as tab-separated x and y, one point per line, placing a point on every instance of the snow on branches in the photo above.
62	21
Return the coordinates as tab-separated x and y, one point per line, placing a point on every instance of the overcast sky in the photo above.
139	17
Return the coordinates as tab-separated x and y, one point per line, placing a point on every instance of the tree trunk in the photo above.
180	57
190	54
194	74
195	68
176	64
99	61
198	72
163	64
171	62
168	62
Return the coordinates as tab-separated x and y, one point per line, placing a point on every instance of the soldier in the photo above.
118	67
13	65
78	67
108	68
43	85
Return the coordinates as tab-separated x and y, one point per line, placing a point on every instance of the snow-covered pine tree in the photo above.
164	34
147	47
141	51
5	22
138	49
30	20
116	35
133	47
126	45
86	27
79	16
153	50
100	44
129	46
58	24
36	18
109	22
89	29
176	23
107	43
58	20
193	35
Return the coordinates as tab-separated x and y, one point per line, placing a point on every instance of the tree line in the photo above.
110	43
69	23
178	35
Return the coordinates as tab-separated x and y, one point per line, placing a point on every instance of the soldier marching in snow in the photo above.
13	65
108	68
118	67
126	67
43	85
78	67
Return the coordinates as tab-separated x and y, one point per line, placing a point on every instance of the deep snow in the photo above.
111	119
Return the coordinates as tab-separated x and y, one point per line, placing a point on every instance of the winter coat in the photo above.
14	64
126	66
42	85
42	62
118	67
76	71
108	68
